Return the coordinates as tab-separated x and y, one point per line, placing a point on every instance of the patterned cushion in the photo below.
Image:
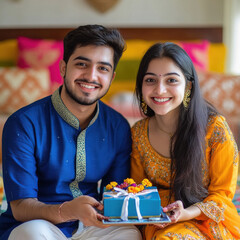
3	118
19	87
37	53
223	91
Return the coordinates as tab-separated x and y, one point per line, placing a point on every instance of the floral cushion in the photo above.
223	91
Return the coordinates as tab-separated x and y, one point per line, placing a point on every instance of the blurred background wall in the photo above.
131	13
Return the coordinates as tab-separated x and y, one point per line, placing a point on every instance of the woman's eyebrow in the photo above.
166	74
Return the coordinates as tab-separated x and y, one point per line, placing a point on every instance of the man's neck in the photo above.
84	113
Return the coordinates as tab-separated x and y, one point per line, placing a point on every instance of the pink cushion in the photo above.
37	53
199	53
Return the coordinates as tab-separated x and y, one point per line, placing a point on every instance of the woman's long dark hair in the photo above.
188	143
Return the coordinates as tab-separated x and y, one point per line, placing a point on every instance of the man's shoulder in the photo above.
34	109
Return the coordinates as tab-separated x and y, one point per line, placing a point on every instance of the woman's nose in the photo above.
161	87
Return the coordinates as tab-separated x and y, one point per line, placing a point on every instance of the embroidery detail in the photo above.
81	159
62	110
80	165
193	229
211	210
156	166
214	228
81	151
219	135
235	160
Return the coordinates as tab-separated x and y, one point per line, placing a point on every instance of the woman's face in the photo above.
163	86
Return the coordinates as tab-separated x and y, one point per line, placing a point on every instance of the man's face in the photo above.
88	73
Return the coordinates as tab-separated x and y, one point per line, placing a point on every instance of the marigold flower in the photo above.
114	184
109	187
129	181
141	187
146	183
133	189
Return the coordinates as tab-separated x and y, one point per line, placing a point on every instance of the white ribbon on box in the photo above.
121	192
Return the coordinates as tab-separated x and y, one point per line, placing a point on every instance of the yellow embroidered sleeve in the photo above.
222	159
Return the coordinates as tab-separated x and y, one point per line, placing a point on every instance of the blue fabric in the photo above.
41	147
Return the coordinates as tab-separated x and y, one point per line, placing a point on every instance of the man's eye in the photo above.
81	64
104	69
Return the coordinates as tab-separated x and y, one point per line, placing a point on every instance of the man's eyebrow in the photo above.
166	74
89	60
82	58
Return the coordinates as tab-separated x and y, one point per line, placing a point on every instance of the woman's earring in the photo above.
187	99
144	107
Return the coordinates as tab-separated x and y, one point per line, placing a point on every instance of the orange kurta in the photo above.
219	219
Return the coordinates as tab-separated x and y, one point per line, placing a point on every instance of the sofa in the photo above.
29	71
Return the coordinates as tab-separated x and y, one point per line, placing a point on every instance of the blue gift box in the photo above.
149	204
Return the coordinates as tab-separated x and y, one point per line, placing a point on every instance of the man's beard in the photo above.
82	100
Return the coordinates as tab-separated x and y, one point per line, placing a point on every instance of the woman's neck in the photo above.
167	123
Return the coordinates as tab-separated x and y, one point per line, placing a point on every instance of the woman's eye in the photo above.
149	80
172	80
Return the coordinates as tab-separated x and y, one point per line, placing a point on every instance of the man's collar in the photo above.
65	114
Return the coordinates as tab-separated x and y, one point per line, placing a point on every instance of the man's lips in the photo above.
88	86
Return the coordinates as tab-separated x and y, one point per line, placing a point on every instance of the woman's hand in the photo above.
177	213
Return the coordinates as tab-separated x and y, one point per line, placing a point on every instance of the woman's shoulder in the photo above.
139	127
139	124
216	120
218	129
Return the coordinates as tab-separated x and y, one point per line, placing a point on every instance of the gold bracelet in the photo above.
59	211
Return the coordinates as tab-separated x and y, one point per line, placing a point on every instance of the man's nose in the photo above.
91	74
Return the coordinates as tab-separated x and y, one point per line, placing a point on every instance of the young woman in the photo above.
185	147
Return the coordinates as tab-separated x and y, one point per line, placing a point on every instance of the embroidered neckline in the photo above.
65	114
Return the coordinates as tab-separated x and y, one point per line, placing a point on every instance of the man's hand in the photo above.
84	208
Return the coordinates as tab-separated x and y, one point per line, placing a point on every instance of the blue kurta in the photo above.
47	156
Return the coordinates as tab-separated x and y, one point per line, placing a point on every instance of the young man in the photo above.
57	149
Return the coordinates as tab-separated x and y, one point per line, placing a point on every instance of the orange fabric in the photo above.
219	219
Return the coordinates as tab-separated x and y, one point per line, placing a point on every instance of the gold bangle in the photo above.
59	211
